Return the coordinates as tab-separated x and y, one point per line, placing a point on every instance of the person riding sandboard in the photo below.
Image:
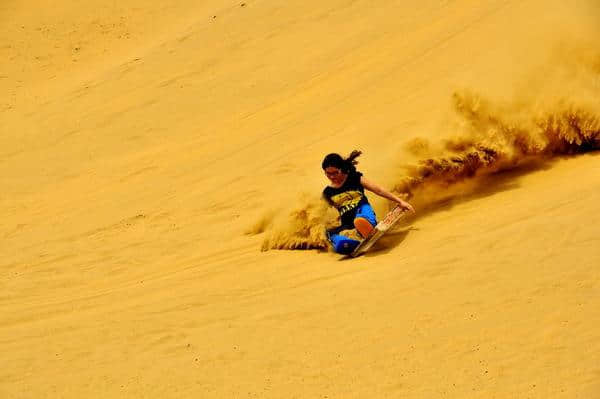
346	192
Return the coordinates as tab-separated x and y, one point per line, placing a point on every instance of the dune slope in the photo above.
150	151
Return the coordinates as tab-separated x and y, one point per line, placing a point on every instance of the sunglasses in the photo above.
333	174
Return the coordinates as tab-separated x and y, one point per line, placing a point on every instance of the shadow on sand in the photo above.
485	186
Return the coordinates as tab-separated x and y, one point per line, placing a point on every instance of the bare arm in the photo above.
382	192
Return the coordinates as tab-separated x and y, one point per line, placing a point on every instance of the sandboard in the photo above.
384	225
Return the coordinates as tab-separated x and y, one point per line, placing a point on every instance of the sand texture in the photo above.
162	231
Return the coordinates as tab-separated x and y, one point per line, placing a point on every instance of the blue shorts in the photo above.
344	245
366	211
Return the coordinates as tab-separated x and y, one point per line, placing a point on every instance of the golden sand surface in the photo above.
155	156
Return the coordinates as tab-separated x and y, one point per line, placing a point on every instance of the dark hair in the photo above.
346	165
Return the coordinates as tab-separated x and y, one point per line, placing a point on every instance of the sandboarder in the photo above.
347	194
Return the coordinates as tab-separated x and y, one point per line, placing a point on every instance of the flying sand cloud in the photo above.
560	118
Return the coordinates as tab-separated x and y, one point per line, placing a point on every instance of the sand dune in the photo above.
150	153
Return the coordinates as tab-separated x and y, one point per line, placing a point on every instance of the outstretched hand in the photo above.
405	205
369	185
